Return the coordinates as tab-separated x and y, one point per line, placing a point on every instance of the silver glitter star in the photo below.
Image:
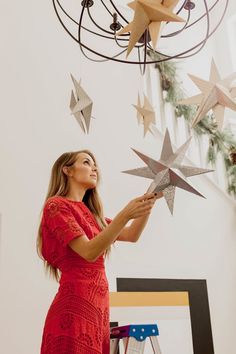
168	172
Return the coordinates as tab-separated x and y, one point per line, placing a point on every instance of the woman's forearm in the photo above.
133	232
92	249
138	208
99	244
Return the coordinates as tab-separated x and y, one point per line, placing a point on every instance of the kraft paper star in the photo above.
168	172
149	15
81	106
216	94
145	114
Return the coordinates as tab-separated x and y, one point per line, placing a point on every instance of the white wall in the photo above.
36	127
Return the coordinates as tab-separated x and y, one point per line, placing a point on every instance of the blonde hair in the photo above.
59	186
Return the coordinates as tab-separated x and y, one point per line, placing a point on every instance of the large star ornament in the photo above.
145	114
149	15
216	94
168	172
81	106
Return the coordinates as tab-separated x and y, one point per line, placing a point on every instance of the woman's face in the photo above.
84	171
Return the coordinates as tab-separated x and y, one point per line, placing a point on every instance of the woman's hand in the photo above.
138	209
140	206
158	195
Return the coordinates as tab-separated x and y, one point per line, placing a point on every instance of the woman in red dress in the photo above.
73	240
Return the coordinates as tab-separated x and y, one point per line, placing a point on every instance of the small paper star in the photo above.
81	106
145	114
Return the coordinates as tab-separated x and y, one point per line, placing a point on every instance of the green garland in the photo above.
220	142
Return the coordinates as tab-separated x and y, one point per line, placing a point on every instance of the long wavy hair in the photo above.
59	186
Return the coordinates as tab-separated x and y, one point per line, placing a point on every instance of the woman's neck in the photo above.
76	194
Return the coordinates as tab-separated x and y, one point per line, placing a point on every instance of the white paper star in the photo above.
81	106
145	114
168	173
216	94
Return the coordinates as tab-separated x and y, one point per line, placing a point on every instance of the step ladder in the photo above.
134	338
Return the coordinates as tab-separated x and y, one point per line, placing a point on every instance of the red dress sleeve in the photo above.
61	222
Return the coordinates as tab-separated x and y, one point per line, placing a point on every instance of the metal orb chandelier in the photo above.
95	26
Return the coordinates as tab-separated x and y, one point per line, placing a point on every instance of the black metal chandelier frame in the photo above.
144	42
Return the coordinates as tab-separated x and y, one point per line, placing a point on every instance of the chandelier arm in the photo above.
102	29
222	17
201	17
119	13
126	46
181	55
139	58
115	10
142	65
211	33
141	69
94	60
181	8
80	21
100	35
179	31
112	58
97	60
115	56
203	43
77	23
113	13
167	57
193	23
117	42
62	23
63	10
106	8
145	52
119	45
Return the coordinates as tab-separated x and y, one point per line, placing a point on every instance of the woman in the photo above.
73	239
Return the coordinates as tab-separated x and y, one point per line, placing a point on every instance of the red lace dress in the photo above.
78	318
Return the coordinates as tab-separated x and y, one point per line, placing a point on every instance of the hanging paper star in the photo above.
149	15
168	173
145	114
216	95
81	106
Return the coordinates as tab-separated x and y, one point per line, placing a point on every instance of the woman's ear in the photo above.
66	170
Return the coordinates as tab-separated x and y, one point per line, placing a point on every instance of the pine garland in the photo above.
220	142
